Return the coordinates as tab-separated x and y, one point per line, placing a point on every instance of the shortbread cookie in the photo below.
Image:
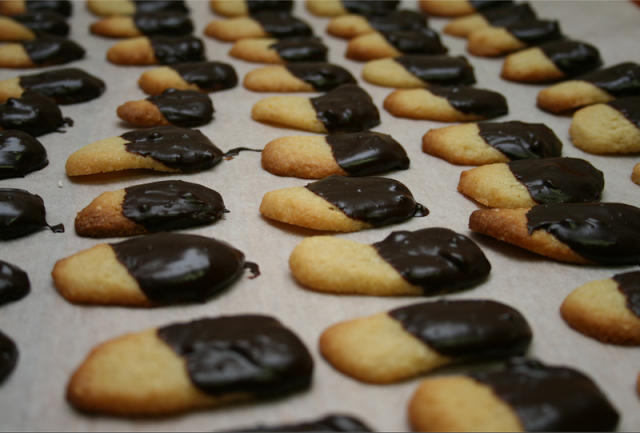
43	51
343	204
583	233
157	50
607	310
456	8
347	108
30	25
552	61
528	182
163	148
352	25
20	154
298	77
619	81
161	23
411	71
259	25
489	142
332	8
157	269
238	8
497	41
330	423
425	262
446	104
348	154
32	113
14	284
22	213
635	175
519	398
379	45
13	7
409	341
205	363
8	356
294	49
498	17
200	76
130	7
610	128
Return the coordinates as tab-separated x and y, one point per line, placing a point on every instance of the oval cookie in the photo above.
20	154
379	45
259	25
40	52
161	23
352	25
157	50
22	213
330	8
14	285
267	50
200	76
455	8
411	71
236	8
496	17
298	77
130	7
30	25
498	41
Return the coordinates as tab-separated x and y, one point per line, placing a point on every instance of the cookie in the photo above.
163	148
421	263
490	142
552	61
200	76
529	182
8	356
347	108
618	81
611	128
298	77
248	7
28	26
157	50
353	204
379	45
456	8
498	17
335	423
259	25
498	41
352	25
607	310
446	103
512	399
267	50
201	364
22	213
32	113
13	7
161	23
20	154
130	7
331	8
348	154
411	71
14	285
635	175
582	233
40	52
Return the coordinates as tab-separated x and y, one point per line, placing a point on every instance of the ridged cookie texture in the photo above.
329	423
129	7
512	399
163	23
262	24
409	341
298	77
280	51
200	76
236	8
40	52
331	8
501	16
157	50
182	367
394	43
411	71
352	25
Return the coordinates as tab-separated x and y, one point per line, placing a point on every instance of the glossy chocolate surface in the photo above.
322	76
535	32
398	20
172	50
470	100
281	24
179	148
184	107
572	57
559	180
629	285
424	41
64	86
629	107
519	140
509	14
52	50
22	213
20	154
365	153
436	259
165	23
374	200
370	7
621	80
32	113
44	23
301	49
255	6
208	76
443	70
62	7
14	283
250	354
329	423
551	398
8	356
606	233
481	5
172	205
161	5
347	108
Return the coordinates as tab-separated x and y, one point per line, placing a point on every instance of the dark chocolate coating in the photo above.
572	57
208	76
8	356
443	70
241	354
551	398
64	86
481	5
606	233
629	285
559	180
370	7
62	7
163	23
423	41
281	24
301	49
398	20
255	6
519	140
186	108
172	205
322	76
51	50
22	213
20	154
506	15
436	259
374	200
329	423
535	32
470	100
14	283
172	50
621	80
161	5
44	23
347	108
629	107
32	113
365	153
179	148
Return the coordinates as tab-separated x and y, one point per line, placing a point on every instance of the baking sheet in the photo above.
54	336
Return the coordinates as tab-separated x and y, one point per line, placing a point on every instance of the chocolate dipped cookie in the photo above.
414	71
8	356
352	25
33	113
30	25
263	24
394	43
160	23
130	7
237	8
14	285
21	214
14	7
501	16
20	154
298	77
40	52
200	76
498	41
329	423
157	50
280	51
331	8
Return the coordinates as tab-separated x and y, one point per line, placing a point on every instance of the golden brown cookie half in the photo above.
12	30
447	8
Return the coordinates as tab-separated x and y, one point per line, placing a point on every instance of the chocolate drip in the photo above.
559	180
20	154
178	148
571	57
330	423
22	213
241	354
51	50
482	5
535	32
629	285
629	107
161	5
374	200
470	100
443	70
256	6
32	113
64	86
398	20
506	15
231	153
519	140
63	7
436	259
44	23
622	80
172	50
14	283
281	24
164	23
8	356
184	107
606	233
347	108
301	49
322	76
208	76
370	7
424	41
365	153
551	398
